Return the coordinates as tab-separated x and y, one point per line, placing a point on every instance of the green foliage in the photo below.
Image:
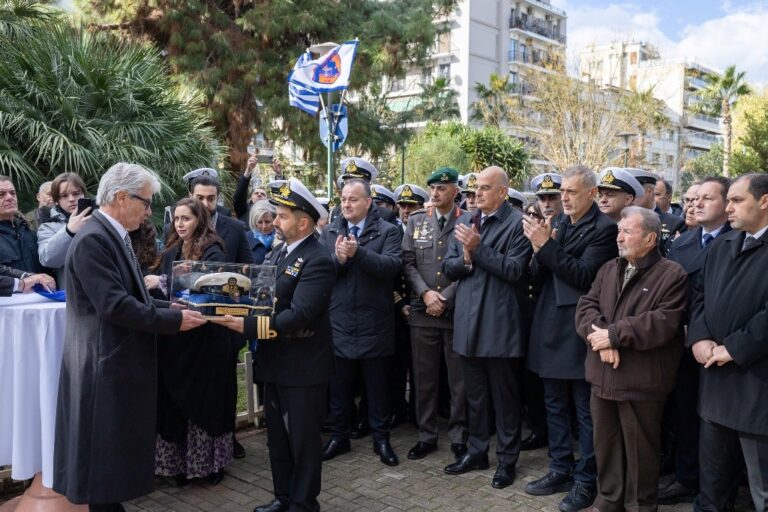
240	53
706	164
722	91
495	104
466	149
437	102
752	155
79	102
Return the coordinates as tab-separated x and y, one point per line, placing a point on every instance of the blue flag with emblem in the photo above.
328	73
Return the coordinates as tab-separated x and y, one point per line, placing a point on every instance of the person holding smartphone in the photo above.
65	220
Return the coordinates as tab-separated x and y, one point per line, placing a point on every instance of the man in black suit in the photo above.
728	332
690	251
663	199
107	403
565	264
296	358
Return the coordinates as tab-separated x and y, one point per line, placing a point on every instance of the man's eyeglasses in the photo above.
147	202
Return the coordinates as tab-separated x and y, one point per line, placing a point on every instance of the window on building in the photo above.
444	42
426	76
523	55
513	49
444	71
633	58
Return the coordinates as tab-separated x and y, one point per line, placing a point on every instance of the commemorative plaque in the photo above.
217	289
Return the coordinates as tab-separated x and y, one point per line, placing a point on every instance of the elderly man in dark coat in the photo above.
632	319
565	263
728	332
366	252
488	257
105	419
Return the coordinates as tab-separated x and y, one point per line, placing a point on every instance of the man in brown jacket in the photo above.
632	320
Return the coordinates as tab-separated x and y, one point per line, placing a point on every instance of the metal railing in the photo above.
536	26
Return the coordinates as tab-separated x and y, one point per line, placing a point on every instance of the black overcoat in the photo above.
488	319
105	419
565	268
362	313
730	306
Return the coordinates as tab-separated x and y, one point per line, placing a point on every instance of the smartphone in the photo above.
534	211
85	202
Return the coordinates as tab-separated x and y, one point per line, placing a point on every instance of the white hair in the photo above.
125	177
45	185
258	210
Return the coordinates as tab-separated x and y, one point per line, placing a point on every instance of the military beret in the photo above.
443	176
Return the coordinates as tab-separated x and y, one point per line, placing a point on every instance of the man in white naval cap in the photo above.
468	186
546	186
617	189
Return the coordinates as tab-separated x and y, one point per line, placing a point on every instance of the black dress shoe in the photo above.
533	442
336	447
274	506
385	452
504	476
216	477
359	430
676	492
550	483
580	496
238	451
181	480
467	463
421	450
459	450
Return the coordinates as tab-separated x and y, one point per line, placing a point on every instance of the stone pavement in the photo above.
359	482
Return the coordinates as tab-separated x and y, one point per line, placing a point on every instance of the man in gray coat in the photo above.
105	420
488	257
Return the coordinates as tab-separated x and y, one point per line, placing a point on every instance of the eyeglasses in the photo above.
147	202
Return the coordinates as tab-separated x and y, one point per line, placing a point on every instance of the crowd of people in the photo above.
599	312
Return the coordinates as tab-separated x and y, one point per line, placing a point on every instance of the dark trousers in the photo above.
374	372
685	422
627	450
720	456
400	369
491	384
294	419
533	402
431	345
557	399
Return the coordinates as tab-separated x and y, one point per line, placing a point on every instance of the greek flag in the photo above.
299	95
328	73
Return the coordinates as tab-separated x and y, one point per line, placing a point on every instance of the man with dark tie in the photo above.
728	333
690	251
489	256
295	359
366	252
565	264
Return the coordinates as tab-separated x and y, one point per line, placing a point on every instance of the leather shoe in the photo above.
385	452
533	442
550	483
336	447
359	430
458	449
676	492
238	451
421	450
504	476
216	477
581	496
274	506
467	463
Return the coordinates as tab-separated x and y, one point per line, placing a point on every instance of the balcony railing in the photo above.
697	82
536	58
714	121
702	139
536	26
548	6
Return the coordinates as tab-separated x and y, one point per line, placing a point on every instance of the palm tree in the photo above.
438	102
75	101
644	113
720	94
495	102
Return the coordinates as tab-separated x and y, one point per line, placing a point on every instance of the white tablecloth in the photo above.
31	343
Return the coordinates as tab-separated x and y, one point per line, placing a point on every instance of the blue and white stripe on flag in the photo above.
327	73
299	95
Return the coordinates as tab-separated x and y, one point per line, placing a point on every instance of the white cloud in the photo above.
738	36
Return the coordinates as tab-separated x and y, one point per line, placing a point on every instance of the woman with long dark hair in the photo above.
196	396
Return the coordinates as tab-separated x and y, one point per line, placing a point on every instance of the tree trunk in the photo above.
727	138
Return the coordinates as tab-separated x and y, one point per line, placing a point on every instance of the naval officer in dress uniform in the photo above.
295	357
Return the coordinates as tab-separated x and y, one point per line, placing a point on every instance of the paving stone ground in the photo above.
359	482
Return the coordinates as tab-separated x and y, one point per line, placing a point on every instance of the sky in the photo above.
715	33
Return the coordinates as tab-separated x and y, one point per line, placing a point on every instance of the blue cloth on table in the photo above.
58	295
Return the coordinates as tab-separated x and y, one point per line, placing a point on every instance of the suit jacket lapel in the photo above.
135	271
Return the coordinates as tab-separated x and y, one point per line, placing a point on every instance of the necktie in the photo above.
706	240
441	222
281	255
132	254
749	242
628	273
354	230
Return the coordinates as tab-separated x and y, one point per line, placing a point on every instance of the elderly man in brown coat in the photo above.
632	320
